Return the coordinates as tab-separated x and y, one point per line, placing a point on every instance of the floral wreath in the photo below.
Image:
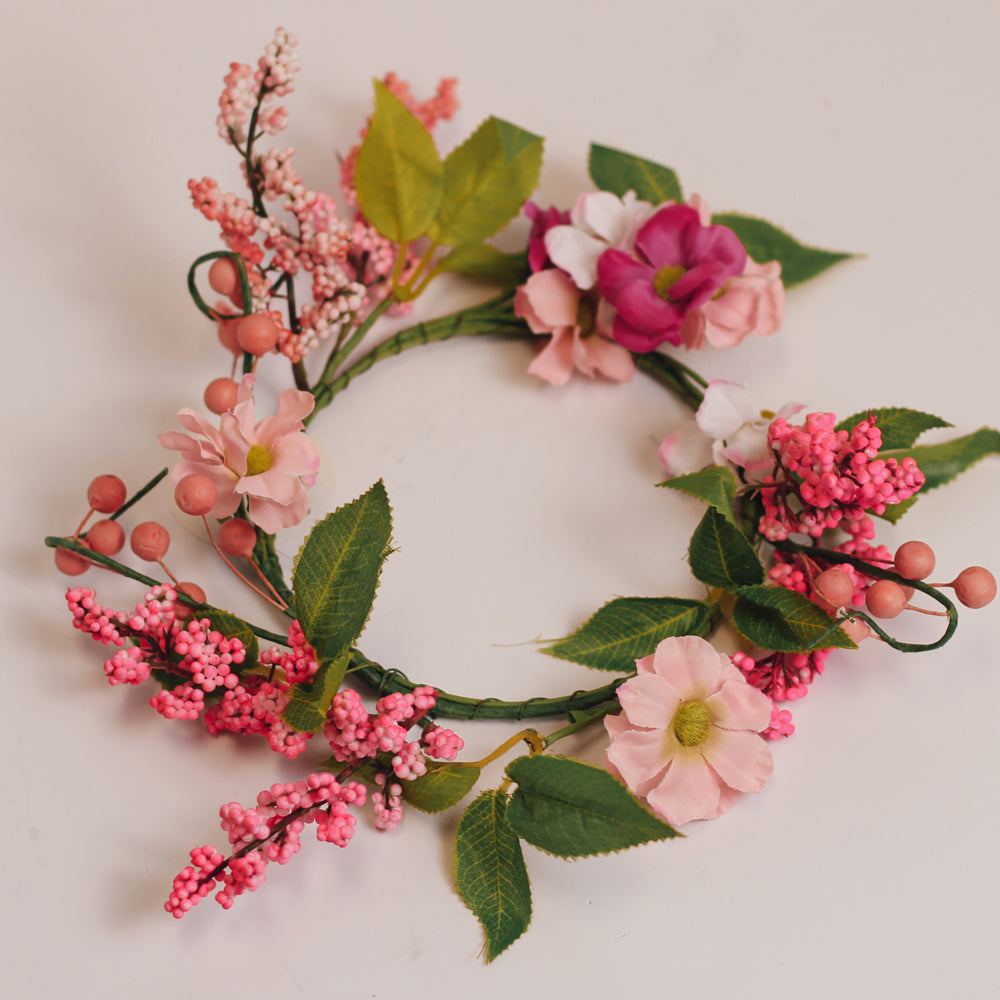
630	277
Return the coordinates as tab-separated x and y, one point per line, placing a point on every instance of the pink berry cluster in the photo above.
827	478
782	676
348	261
160	639
269	831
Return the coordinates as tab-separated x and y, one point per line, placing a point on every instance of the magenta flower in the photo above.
542	220
550	303
687	737
271	463
678	266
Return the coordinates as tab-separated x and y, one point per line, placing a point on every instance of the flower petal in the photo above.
639	756
726	406
664	240
576	252
689	790
742	760
739	705
554	362
691	665
649	701
596	354
685	450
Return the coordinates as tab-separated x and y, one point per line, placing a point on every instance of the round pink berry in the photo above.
220	395
196	494
227	334
237	537
150	541
257	334
885	599
71	563
975	587
106	537
182	610
223	276
835	586
106	494
914	560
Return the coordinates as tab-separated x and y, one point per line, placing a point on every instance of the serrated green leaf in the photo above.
900	427
444	785
715	486
486	181
310	702
235	628
895	511
940	463
628	628
720	554
787	622
490	873
337	570
571	809
480	260
616	171
765	241
399	175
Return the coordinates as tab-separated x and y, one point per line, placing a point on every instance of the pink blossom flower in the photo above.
550	303
678	265
542	220
687	739
270	462
599	220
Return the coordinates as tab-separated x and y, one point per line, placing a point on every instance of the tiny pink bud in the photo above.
237	537
106	494
257	334
975	587
220	395
106	537
196	494
885	599
223	276
914	560
150	541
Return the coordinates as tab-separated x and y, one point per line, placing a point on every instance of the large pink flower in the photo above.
550	303
687	738
271	463
678	266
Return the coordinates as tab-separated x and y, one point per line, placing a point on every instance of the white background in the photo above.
868	865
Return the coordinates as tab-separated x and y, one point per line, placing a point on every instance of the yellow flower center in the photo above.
692	724
259	460
665	279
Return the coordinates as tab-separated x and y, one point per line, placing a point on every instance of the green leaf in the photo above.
616	171
490	873
764	241
940	463
445	784
399	176
627	628
895	511
480	260
787	622
720	554
310	702
336	573
571	809
486	181
235	628
715	485
900	427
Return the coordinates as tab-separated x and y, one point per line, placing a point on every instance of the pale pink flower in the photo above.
550	303
270	462
728	427
687	739
599	220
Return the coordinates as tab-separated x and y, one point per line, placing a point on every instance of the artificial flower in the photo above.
688	737
727	427
271	463
542	220
550	303
678	264
599	220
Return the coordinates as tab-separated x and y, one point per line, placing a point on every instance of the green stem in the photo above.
139	494
828	555
494	316
669	372
452	706
579	721
266	559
